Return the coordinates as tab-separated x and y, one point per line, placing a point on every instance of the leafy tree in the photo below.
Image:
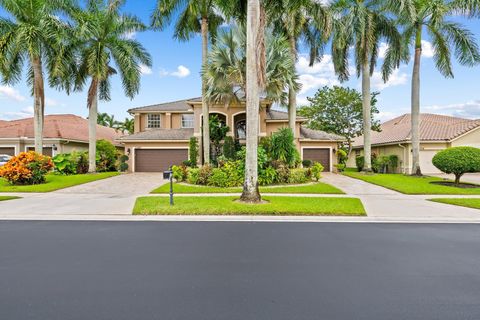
194	16
218	132
101	41
431	17
339	110
34	34
363	25
458	161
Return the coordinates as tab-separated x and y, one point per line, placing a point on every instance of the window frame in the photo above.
151	121
192	121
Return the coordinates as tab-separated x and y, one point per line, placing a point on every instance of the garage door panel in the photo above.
321	155
7	150
47	151
158	160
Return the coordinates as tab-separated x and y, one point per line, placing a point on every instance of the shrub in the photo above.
266	144
193	152
393	162
307	163
26	168
204	173
234	172
283	171
123	163
342	156
180	173
283	147
316	170
267	176
340	167
82	162
106	156
65	163
192	176
360	162
458	161
298	175
261	154
229	148
218	178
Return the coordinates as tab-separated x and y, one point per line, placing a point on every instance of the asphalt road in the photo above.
128	270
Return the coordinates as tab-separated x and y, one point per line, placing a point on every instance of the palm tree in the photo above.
431	17
34	34
297	20
106	120
101	31
196	16
126	126
226	67
362	24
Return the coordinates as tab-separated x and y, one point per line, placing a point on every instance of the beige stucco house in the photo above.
62	133
162	133
437	132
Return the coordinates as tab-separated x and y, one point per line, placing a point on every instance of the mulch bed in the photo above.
461	185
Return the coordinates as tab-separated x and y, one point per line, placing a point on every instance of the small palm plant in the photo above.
33	34
101	39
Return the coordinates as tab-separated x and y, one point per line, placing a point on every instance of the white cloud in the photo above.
181	72
130	35
397	78
382	50
26	112
51	102
469	109
320	74
11	93
145	70
427	49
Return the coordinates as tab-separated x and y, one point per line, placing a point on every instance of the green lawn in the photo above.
469	203
5	198
56	182
312	188
292	206
410	185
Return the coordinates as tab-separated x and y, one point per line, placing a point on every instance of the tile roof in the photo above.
433	127
180	105
279	115
160	134
306	133
61	126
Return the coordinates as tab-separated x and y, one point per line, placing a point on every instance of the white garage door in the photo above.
426	164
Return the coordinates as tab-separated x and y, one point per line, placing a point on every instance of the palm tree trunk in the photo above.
39	103
250	188
367	117
92	126
292	94
415	116
205	109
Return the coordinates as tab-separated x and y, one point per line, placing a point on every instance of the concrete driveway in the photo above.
112	196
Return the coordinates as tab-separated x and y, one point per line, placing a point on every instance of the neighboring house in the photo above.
162	133
437	132
62	133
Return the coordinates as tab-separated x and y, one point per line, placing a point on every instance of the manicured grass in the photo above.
56	182
469	203
292	206
312	188
410	185
5	198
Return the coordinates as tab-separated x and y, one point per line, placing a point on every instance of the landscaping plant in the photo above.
26	169
106	156
317	170
458	161
218	132
229	150
123	166
283	147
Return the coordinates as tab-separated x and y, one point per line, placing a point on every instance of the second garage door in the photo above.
321	155
158	160
7	150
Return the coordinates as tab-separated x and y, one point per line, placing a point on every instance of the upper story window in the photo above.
187	120
153	121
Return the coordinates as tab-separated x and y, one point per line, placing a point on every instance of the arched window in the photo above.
241	129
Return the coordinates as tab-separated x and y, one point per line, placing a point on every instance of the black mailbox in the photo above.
167	174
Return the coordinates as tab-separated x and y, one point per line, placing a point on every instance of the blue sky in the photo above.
176	75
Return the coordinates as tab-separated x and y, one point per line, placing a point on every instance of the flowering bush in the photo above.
26	168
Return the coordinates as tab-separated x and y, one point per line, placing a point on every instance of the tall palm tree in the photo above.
306	20
101	38
431	17
362	24
106	120
126	126
226	67
33	34
196	16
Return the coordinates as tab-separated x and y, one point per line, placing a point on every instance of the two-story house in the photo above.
162	133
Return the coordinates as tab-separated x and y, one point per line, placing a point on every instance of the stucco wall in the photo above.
472	139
